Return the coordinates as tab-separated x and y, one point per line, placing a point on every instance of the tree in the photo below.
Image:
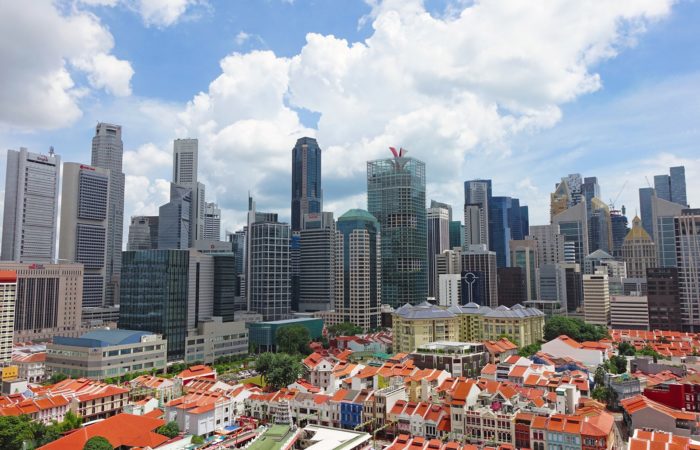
599	376
197	440
344	329
97	443
626	349
170	429
574	328
530	350
617	364
293	339
14	431
278	369
649	351
57	378
601	393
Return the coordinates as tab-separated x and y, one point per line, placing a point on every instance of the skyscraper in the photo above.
550	244
523	254
662	186
396	197
663	215
618	220
358	278
688	261
317	254
638	251
143	233
590	189
307	196
672	187
31	206
268	282
479	276
212	222
174	226
477	201
599	226
645	210
438	241
664	299
560	199
8	290
596	298
573	225
107	153
505	223
456	234
185	172
84	222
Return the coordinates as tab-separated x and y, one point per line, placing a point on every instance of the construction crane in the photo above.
613	201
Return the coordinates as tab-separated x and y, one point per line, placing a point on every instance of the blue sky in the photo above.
475	89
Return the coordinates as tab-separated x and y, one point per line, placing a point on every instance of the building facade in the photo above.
573	225
31	207
477	198
438	241
214	339
8	295
307	196
269	276
596	299
107	153
174	220
523	254
663	213
638	251
317	254
212	222
48	300
185	173
143	233
688	261
357	290
645	209
664	299
396	197
84	223
550	244
629	312
479	276
104	354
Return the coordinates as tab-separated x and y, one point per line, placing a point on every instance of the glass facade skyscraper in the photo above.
678	192
645	210
396	197
154	295
307	196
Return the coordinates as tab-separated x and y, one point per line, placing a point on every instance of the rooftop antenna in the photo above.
51	151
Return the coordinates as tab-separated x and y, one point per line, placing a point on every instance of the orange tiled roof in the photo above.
640	402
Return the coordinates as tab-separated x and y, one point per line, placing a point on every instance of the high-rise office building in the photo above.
238	242
590	189
477	201
212	222
645	210
396	197
225	277
552	284
596	298
108	153
638	251
550	244
8	290
84	222
599	226
48	300
573	225
574	184
664	299
317	254
506	222
166	292
597	259
574	286
307	196
268	282
663	213
185	173
688	262
512	288
438	241
357	288
479	276
174	220
629	312
618	220
456	234
31	206
523	254
560	199
672	187
143	233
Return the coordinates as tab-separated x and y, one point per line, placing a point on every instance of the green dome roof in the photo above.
357	214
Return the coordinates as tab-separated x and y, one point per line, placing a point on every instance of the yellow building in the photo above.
418	325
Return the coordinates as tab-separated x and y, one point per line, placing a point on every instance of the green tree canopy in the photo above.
626	349
279	369
529	350
56	378
14	430
574	328
293	340
97	443
170	429
344	329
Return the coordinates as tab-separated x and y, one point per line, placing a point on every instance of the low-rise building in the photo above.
90	399
213	338
31	366
263	335
591	354
103	354
641	412
458	358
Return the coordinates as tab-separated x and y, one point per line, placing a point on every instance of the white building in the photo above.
212	222
563	346
629	312
688	257
31	207
185	164
596	298
213	339
8	288
83	237
450	288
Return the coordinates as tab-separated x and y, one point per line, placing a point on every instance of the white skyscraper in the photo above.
84	222
108	153
212	222
185	166
688	260
31	207
8	288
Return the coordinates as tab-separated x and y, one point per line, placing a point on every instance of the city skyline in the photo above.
260	134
